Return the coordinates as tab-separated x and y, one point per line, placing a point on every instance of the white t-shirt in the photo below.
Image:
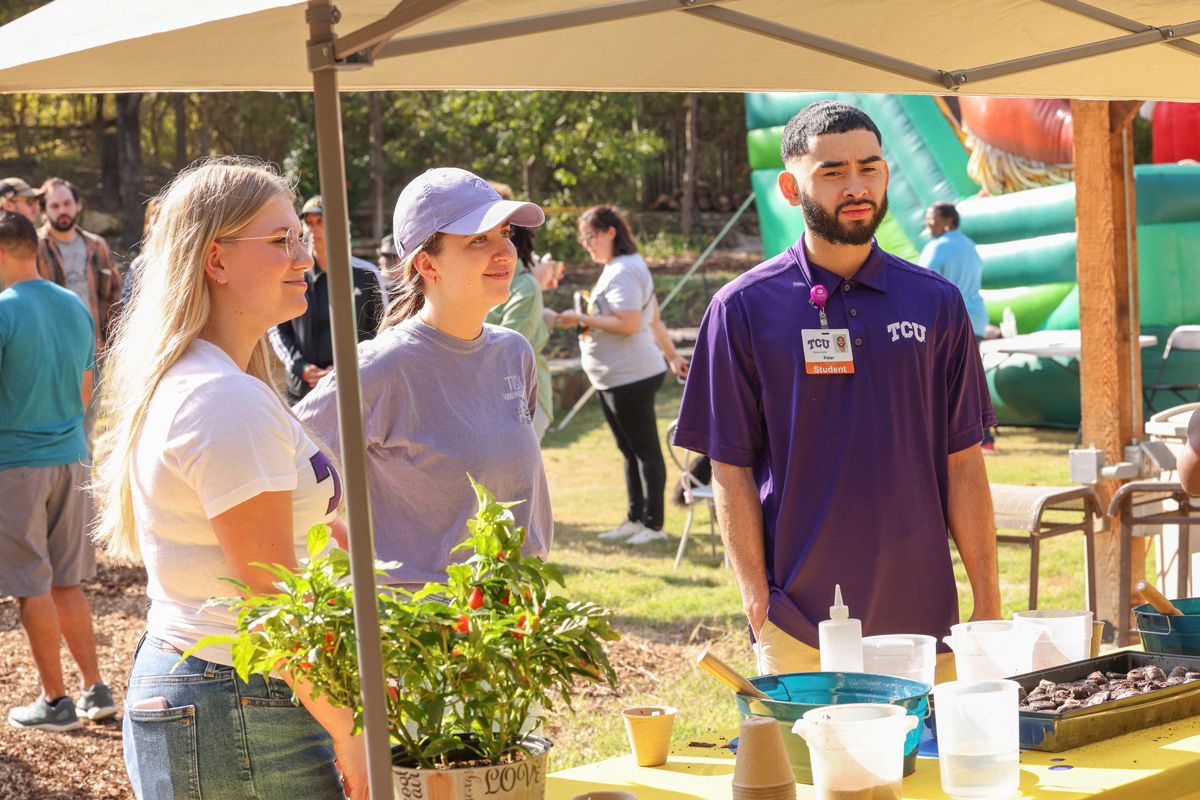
214	437
612	359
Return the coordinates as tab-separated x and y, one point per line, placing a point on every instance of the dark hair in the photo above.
522	239
51	184
17	235
945	210
827	116
601	218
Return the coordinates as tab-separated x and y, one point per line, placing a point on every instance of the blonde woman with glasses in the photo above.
203	471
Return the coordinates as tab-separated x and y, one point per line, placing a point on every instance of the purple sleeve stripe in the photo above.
968	438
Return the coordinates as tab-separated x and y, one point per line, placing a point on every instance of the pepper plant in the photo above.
471	663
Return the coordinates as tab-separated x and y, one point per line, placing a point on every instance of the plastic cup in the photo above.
649	729
1195	574
857	749
978	738
902	655
762	767
1065	635
992	649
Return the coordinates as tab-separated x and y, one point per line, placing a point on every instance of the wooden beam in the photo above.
1110	360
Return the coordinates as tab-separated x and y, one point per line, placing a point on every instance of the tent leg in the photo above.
354	462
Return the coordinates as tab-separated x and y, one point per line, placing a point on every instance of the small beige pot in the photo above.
520	780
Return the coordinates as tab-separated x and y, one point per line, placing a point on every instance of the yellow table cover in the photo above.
1160	763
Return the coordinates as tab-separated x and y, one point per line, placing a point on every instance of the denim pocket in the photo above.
160	753
290	754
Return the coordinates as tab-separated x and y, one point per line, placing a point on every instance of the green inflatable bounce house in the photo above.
1026	239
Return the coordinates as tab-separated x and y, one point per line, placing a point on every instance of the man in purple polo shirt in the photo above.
843	467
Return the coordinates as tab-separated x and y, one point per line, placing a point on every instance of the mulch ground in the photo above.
87	764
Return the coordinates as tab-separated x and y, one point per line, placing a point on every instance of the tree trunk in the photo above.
106	145
376	137
204	147
689	165
180	101
19	114
129	139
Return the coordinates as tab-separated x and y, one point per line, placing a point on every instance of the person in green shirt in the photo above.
523	313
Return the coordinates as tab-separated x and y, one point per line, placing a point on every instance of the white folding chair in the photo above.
1185	338
695	492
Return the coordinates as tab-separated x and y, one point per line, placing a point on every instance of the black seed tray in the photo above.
1052	732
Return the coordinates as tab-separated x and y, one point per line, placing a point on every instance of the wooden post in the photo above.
1110	361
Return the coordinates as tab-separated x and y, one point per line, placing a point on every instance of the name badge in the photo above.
827	351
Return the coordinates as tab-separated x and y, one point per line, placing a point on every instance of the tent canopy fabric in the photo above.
896	46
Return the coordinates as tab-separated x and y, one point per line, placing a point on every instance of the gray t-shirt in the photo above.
610	359
436	408
74	264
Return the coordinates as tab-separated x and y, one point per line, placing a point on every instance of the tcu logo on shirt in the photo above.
909	330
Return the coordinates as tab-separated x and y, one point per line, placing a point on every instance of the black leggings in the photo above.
629	410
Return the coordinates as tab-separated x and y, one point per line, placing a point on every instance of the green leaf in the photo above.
206	641
318	538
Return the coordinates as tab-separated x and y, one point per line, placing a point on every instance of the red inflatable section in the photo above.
1176	133
1040	130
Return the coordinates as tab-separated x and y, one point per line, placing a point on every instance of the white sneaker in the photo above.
625	530
646	535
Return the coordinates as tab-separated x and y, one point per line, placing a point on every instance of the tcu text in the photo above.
909	330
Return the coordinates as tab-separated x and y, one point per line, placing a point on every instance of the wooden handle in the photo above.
1155	598
728	675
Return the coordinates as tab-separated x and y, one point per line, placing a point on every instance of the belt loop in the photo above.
141	641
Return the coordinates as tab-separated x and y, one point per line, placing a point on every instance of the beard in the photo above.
60	226
825	225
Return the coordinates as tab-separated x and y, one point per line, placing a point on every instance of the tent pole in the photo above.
327	106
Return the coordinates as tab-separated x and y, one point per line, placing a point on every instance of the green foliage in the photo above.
471	664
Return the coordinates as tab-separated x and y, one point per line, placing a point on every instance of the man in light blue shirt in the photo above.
951	254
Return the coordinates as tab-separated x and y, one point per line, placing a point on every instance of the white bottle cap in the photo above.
838	610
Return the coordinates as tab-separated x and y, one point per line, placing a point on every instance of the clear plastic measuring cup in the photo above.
978	738
1065	635
857	749
903	655
992	648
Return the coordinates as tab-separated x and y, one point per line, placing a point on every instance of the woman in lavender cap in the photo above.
445	395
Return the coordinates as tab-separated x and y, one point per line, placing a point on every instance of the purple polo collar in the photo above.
873	272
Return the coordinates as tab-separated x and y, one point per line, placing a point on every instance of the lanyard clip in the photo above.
818	295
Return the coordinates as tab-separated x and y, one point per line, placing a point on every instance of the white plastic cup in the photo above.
901	655
1195	575
992	649
978	738
1065	635
857	747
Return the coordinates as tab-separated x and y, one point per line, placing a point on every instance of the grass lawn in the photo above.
667	614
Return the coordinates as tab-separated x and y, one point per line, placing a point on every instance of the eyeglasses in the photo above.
586	238
290	241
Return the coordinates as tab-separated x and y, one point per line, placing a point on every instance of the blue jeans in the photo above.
220	738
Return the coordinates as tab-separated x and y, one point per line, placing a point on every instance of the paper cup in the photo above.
649	729
762	759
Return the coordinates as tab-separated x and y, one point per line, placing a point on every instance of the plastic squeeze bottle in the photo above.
840	638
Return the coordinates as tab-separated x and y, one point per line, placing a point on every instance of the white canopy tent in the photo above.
1114	49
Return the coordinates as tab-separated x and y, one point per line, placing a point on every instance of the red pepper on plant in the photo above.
476	601
464	624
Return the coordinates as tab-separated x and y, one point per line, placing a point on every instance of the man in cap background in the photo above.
19	197
305	344
75	259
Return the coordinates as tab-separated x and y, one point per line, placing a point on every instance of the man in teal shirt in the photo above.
522	312
47	352
951	254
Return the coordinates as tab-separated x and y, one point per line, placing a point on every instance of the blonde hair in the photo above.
212	199
409	286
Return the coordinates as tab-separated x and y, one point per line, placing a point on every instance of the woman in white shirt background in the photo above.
622	345
204	471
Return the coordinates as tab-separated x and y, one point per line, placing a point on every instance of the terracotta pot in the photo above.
520	780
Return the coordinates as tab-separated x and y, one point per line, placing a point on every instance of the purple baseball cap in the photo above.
450	200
